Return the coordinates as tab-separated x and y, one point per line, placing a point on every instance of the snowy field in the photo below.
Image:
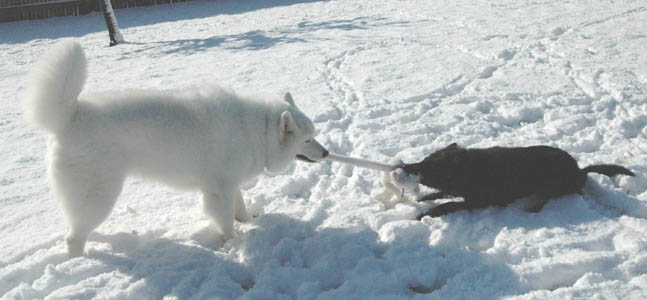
380	79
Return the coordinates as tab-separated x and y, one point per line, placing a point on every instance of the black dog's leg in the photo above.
445	208
450	207
537	204
436	196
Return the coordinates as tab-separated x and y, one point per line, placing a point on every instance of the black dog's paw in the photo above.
435	196
432	213
443	209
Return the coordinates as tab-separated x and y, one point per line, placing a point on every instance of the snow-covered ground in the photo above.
381	79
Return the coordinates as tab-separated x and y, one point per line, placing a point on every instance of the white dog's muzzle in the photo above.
313	151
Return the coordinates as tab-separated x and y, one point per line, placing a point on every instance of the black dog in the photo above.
498	176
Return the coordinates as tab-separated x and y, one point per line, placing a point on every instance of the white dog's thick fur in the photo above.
206	139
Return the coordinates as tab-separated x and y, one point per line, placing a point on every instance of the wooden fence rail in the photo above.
17	10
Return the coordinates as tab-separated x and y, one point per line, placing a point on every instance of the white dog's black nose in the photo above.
325	153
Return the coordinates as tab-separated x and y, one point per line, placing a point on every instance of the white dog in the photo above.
198	138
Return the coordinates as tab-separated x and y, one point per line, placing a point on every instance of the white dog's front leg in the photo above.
220	207
241	212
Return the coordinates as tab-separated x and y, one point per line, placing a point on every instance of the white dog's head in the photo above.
292	137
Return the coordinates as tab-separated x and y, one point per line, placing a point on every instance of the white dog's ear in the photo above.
286	126
288	99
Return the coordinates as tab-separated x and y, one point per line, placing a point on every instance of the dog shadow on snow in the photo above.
300	258
288	256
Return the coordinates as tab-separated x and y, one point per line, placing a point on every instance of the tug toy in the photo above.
394	179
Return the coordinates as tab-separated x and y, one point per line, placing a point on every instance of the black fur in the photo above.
498	175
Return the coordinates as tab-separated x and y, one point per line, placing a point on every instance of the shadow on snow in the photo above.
284	256
77	26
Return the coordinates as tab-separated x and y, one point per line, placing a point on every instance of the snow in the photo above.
381	80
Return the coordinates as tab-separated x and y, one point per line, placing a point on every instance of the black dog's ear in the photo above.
453	146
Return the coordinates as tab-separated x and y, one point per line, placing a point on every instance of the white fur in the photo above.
396	182
205	139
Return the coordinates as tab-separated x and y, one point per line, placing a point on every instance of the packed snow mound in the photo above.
381	80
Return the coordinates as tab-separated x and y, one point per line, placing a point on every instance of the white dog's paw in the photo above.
242	216
74	247
244	219
210	237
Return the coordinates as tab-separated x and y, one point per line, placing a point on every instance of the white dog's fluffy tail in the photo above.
55	84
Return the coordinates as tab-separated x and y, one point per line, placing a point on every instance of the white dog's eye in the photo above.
308	141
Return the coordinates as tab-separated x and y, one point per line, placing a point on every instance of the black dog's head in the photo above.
437	168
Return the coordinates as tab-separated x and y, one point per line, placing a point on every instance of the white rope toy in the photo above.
399	177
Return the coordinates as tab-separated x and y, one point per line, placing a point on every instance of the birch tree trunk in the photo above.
111	22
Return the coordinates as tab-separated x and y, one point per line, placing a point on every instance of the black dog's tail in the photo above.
608	170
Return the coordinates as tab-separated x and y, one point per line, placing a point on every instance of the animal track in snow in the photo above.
487	72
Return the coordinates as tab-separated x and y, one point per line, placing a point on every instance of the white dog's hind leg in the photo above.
220	207
241	212
86	195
